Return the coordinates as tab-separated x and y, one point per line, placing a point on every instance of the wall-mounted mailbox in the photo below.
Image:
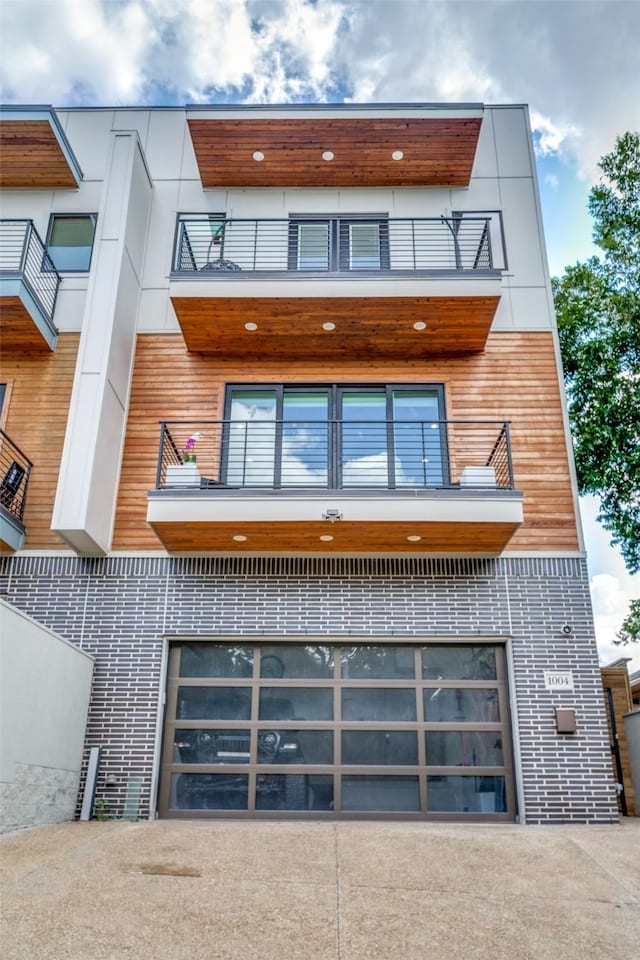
565	720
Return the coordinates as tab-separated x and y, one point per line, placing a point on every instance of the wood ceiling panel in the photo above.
32	157
18	331
365	327
349	537
437	152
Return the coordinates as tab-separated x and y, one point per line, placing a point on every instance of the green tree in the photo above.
598	309
630	630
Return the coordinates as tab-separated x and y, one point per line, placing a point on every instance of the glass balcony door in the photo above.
334	437
334	244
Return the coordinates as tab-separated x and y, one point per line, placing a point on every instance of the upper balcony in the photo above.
336	287
28	288
326	486
15	469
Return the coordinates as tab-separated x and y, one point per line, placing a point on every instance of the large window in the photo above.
317	728
317	244
70	241
334	436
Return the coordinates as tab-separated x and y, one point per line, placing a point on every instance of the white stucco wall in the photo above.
45	685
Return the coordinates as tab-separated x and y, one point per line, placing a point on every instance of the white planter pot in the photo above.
478	477
182	475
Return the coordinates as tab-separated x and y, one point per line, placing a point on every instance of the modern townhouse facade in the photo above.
284	448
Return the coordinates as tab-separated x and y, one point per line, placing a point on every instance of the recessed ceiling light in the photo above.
397	155
239	537
328	325
327	155
419	325
251	326
414	538
326	537
258	155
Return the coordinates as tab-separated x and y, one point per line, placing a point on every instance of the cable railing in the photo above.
334	454
15	470
23	256
209	246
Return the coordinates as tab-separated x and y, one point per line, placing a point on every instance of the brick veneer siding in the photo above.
120	609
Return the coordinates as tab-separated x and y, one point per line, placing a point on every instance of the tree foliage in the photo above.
598	309
630	630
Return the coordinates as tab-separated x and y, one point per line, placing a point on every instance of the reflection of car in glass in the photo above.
229	790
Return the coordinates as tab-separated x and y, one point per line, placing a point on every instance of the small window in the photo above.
70	241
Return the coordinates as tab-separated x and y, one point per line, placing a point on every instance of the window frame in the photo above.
69	216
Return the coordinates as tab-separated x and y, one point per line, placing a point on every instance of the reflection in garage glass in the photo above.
378	704
380	747
211	746
276	791
461	705
296	703
214	703
209	791
380	793
207	660
378	663
459	663
466	794
464	748
296	662
295	746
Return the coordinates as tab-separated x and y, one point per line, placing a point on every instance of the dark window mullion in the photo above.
391	460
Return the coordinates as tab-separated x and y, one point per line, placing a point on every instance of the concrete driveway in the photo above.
318	891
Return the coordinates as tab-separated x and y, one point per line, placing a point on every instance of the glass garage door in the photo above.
325	731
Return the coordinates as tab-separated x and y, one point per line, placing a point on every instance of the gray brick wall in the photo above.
120	609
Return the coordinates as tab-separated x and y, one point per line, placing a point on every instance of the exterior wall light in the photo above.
327	155
258	155
332	514
328	325
251	326
397	155
419	325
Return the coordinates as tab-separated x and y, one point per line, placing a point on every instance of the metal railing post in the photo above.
25	245
507	437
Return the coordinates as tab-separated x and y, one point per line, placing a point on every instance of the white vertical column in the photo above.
85	502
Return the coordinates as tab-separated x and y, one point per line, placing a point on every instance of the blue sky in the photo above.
575	62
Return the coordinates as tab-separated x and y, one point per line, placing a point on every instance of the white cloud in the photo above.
552	180
576	64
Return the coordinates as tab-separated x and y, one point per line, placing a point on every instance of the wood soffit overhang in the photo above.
32	155
289	328
482	539
18	329
436	151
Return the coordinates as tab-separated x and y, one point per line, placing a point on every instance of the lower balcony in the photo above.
15	470
347	487
28	288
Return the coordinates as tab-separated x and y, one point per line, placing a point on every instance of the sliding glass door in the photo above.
335	437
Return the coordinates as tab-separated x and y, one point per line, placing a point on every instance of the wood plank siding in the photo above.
36	420
290	328
32	157
437	152
514	378
615	678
